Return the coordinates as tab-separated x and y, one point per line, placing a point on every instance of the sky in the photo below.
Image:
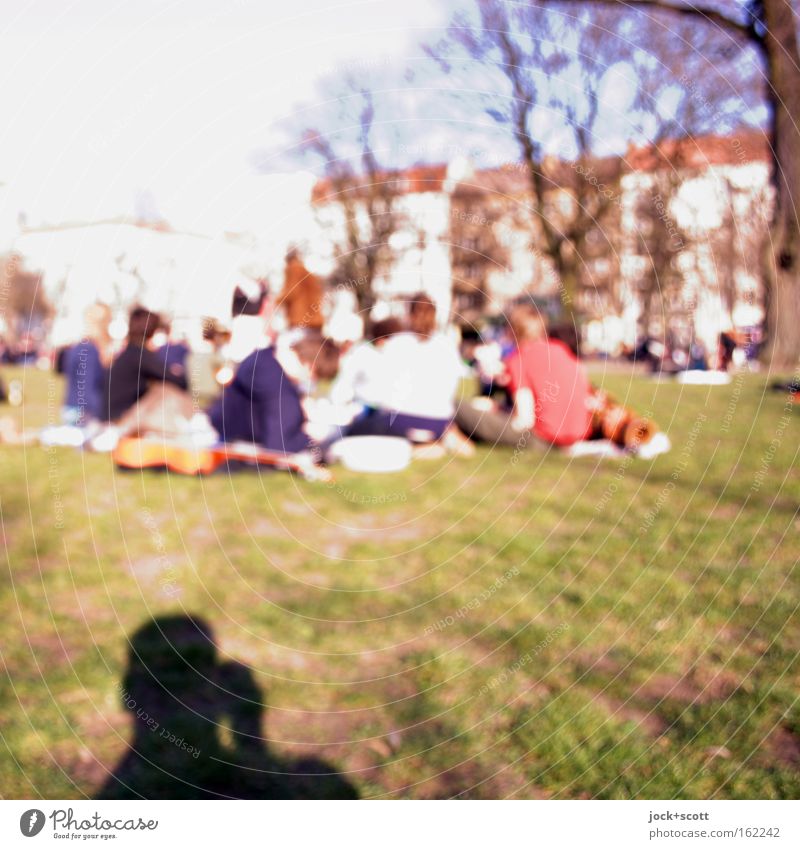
184	109
155	107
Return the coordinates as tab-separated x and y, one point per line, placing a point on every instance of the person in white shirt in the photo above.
361	375
357	390
420	371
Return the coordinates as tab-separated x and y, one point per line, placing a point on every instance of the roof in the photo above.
159	225
414	180
689	152
701	152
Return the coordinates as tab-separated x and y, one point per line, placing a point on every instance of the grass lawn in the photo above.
505	626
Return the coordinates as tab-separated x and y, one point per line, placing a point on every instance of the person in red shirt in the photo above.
550	391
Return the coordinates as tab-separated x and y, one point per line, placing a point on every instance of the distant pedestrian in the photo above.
301	297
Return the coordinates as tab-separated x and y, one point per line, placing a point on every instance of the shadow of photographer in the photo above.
198	726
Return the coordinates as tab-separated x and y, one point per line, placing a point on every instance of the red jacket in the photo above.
559	386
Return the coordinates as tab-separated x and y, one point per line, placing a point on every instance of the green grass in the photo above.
495	627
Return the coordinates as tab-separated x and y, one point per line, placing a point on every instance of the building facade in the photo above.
674	252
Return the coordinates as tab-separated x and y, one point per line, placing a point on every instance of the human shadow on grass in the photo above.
198	726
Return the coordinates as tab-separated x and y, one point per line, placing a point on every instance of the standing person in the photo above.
421	373
301	297
698	361
548	386
727	345
84	367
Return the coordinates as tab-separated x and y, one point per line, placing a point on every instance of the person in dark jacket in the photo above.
262	404
174	351
84	369
137	367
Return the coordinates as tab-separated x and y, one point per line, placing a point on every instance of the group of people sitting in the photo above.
403	380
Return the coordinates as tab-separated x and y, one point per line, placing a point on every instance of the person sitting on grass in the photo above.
421	370
137	367
206	367
357	389
549	388
262	404
173	349
360	380
141	395
84	368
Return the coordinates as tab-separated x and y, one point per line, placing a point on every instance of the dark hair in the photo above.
214	332
210	328
320	353
384	329
142	324
242	304
526	323
566	333
422	315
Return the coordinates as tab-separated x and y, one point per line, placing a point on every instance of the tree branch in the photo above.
744	30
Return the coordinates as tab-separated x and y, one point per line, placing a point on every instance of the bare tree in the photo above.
603	290
476	251
700	107
25	301
364	192
733	247
556	59
771	27
659	245
553	65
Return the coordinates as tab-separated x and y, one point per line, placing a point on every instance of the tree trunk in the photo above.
783	315
782	259
365	299
568	282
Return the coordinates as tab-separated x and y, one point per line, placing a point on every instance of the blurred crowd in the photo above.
289	374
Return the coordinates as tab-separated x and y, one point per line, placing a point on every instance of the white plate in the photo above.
379	454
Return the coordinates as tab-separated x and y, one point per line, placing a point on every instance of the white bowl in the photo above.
373	453
704	378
